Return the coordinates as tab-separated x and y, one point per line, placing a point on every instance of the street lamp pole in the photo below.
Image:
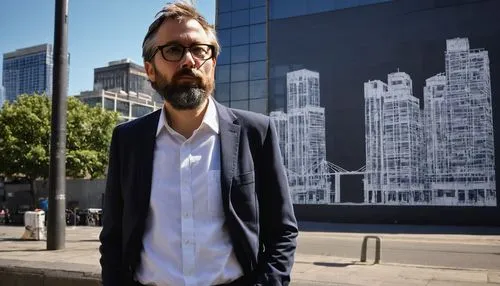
56	229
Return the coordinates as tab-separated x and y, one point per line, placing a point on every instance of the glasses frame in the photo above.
184	49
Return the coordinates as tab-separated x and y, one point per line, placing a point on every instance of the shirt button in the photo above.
186	241
186	214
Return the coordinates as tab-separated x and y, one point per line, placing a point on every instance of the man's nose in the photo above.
188	61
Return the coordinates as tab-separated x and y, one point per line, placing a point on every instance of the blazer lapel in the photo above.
145	168
229	143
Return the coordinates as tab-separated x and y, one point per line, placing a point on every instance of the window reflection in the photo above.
258	89
240	18
257	3
258	15
240	4
222	73
224	21
258	105
122	107
258	70
239	90
239	36
258	52
241	104
139	110
224	37
109	104
224	56
279	9
239	54
258	33
239	72
222	91
224	6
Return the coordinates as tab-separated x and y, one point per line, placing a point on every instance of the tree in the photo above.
25	139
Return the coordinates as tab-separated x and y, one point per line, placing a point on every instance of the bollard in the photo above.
377	248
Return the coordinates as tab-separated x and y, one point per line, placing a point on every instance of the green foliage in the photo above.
25	138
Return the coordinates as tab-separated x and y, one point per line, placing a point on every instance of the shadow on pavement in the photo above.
308	226
18	239
22	250
332	264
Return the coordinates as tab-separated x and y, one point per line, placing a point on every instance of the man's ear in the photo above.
150	71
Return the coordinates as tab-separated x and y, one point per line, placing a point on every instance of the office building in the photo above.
129	105
28	70
408	101
2	95
124	75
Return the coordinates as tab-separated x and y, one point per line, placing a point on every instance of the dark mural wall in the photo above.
353	46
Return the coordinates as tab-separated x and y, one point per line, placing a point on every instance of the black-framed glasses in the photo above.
175	52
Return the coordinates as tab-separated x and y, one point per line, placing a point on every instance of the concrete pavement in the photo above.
28	263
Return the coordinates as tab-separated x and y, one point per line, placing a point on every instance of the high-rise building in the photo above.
394	143
2	95
408	157
124	75
28	70
244	78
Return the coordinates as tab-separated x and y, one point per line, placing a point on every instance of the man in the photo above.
196	192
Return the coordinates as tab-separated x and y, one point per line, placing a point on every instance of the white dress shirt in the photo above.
185	240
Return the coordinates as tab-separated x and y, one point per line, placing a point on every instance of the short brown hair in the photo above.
180	11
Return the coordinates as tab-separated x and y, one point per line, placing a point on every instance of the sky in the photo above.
99	31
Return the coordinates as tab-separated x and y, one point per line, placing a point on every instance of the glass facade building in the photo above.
2	95
409	90
28	70
243	72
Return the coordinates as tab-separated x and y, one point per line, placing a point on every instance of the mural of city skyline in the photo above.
442	154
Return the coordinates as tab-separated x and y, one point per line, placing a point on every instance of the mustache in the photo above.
187	72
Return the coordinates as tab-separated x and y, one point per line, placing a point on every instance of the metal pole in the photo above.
56	229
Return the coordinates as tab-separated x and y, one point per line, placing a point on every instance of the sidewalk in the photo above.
28	263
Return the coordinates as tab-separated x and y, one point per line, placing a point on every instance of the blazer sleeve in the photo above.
277	219
111	234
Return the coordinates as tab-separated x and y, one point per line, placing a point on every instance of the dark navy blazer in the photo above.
258	209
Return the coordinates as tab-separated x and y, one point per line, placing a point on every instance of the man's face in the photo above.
184	84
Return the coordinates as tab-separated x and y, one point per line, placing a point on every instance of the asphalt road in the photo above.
457	251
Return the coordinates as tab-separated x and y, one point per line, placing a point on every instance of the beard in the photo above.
184	95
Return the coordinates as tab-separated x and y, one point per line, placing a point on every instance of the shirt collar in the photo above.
211	118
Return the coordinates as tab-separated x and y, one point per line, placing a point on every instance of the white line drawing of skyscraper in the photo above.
374	146
305	144
280	120
462	166
393	142
450	161
435	123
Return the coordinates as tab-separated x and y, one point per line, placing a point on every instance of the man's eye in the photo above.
198	50
173	50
